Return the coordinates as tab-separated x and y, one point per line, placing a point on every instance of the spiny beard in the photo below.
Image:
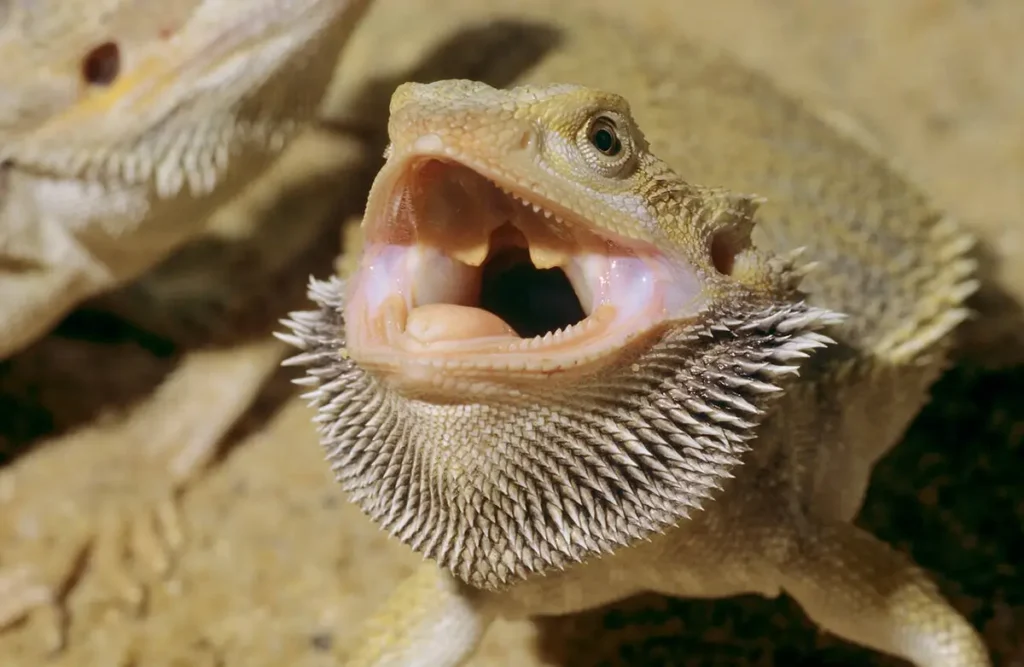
538	480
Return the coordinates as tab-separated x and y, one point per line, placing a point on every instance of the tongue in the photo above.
443	321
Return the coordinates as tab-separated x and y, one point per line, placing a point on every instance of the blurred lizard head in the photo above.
552	345
133	90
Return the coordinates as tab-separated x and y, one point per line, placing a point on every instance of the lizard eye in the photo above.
606	147
604	137
101	66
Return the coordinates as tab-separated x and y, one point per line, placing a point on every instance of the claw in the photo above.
24	592
112	563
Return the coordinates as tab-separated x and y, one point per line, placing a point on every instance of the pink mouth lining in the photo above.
449	240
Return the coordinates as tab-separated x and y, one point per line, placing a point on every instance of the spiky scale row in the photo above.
611	462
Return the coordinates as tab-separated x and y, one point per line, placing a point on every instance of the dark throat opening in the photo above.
530	300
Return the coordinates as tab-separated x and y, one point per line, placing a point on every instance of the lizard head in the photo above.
552	345
134	91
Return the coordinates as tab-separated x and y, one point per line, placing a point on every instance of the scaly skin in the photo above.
500	472
124	125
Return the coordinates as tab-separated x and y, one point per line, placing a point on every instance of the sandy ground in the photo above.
263	563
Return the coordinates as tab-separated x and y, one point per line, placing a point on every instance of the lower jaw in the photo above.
494	365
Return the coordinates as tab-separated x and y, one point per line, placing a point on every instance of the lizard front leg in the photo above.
863	590
431	619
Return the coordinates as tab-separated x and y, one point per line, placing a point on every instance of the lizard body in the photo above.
124	127
489	467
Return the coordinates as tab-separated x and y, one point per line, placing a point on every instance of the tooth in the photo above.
587	275
472	255
546	258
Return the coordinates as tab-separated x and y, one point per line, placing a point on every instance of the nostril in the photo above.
101	66
525	139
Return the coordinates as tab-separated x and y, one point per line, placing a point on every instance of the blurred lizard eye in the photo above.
101	66
604	137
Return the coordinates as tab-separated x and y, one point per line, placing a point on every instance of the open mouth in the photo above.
467	274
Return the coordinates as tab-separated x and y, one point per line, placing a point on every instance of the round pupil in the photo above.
605	141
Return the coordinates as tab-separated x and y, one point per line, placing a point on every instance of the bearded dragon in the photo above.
124	125
566	370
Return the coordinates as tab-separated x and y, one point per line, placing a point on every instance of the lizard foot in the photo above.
112	490
134	548
92	524
859	588
178	432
